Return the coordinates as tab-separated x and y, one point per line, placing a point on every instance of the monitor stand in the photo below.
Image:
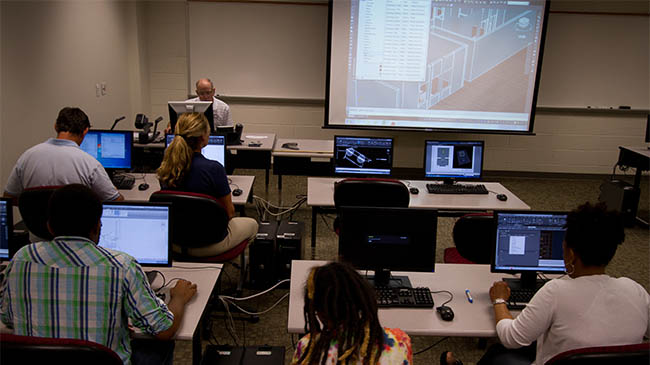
383	278
528	280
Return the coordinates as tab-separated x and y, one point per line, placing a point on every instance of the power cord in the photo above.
429	347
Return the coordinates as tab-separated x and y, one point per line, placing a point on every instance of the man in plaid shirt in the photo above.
71	288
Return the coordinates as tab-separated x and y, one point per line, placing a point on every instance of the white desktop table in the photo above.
254	152
243	182
312	158
320	195
471	319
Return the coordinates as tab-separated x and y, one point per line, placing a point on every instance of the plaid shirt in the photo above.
72	288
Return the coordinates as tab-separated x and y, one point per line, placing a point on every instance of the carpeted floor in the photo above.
631	260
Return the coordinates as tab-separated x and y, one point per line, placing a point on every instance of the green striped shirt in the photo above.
72	288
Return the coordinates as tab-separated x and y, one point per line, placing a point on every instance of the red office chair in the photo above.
199	220
32	204
602	355
16	349
472	239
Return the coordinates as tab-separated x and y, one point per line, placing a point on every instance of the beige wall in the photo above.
53	54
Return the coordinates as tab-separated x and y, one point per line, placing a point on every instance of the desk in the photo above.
320	196
639	158
313	158
243	182
471	319
247	156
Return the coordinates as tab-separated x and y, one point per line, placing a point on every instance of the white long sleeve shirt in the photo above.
566	313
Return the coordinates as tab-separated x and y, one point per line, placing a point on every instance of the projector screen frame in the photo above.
535	91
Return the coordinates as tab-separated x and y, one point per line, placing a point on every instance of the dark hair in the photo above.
73	210
594	233
72	120
347	306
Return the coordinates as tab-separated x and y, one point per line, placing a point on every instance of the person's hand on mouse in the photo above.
499	289
183	290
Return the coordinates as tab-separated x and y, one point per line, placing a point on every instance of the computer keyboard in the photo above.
456	189
124	182
519	298
404	297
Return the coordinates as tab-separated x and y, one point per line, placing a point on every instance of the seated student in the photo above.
49	284
340	299
184	168
60	161
585	308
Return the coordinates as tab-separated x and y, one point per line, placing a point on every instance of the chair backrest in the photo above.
32	204
16	349
601	355
473	237
197	220
370	192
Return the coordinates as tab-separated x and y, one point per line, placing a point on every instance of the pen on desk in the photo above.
469	296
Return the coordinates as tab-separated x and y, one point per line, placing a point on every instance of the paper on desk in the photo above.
256	137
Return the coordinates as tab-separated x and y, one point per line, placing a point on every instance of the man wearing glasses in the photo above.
205	91
60	161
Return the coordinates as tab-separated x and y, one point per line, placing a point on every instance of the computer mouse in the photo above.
502	197
237	192
143	186
445	313
414	190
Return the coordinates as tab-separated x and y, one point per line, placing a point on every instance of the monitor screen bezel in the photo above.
225	146
129	146
362	262
498	269
10	228
169	231
174	106
451	176
348	174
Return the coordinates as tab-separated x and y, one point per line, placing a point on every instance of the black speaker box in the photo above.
621	196
262	256
289	241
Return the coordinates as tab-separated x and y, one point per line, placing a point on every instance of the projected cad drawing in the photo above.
356	157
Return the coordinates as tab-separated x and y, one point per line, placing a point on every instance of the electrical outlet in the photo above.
98	90
104	88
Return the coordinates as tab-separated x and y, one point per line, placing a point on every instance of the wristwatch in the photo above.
499	301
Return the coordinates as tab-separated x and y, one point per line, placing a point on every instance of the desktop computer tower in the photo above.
289	241
621	196
262	256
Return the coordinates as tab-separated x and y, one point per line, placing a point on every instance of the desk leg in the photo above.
196	345
279	182
267	178
314	223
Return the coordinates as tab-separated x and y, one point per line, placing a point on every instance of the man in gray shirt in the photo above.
60	161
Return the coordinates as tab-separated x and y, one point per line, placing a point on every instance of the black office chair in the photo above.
604	355
472	239
15	349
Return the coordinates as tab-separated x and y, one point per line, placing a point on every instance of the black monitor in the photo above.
363	156
384	239
6	227
453	160
140	229
215	150
111	148
177	108
528	243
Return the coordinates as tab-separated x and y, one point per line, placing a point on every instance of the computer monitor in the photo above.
6	227
384	239
215	150
140	229
528	243
363	155
452	160
111	148
177	108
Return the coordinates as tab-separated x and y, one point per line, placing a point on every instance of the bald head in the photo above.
205	89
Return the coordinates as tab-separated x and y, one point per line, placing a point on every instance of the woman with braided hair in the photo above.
342	323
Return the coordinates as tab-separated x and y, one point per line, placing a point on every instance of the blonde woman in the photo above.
184	168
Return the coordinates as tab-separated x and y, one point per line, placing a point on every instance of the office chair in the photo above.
601	355
472	239
199	220
15	349
32	204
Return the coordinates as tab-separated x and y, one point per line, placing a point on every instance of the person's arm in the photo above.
226	202
500	290
181	294
14	199
119	198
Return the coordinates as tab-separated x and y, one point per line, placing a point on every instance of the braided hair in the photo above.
346	305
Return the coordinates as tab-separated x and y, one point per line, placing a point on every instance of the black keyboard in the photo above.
124	182
404	297
456	189
519	298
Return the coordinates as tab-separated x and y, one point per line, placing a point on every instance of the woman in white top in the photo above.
586	307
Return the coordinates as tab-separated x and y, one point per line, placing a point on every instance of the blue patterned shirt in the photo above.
72	288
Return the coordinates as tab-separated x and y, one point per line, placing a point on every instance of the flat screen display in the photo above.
363	156
453	159
6	226
215	150
461	65
111	148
